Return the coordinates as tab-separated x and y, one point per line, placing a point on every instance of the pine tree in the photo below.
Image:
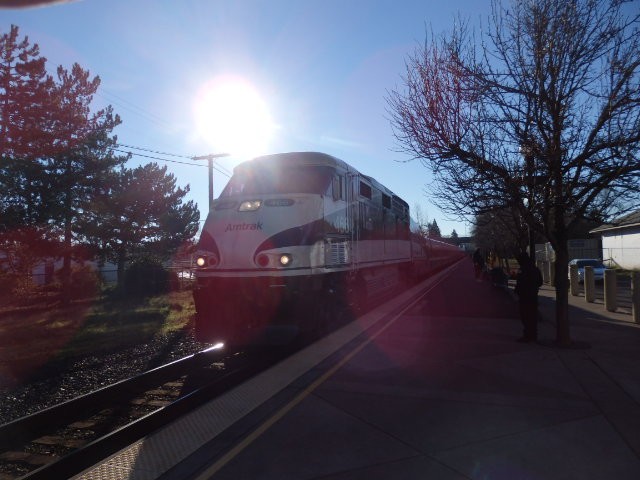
434	229
25	97
141	212
55	152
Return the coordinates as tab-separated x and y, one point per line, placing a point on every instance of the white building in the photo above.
621	242
576	248
43	273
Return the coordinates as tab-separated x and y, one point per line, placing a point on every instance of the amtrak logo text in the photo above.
236	227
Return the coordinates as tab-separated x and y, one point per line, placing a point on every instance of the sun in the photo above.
232	117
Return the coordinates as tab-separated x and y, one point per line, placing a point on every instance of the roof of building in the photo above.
626	221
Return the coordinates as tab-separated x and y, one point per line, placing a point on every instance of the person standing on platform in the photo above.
478	264
528	283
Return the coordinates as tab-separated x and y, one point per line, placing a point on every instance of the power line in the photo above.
154	151
156	119
166	159
226	171
218	168
156	158
132	108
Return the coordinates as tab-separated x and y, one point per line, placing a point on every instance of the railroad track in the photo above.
63	440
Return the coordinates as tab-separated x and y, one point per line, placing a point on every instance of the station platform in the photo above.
438	390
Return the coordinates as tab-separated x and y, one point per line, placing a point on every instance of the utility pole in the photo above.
210	159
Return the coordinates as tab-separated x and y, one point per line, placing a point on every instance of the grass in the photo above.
31	339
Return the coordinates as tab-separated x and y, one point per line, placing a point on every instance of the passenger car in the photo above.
598	268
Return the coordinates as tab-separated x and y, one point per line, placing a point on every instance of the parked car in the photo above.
598	268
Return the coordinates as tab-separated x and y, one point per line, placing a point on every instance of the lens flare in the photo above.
232	117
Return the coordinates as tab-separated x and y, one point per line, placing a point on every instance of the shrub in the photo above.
147	276
14	288
85	282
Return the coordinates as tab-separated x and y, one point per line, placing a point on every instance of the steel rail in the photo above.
101	448
21	430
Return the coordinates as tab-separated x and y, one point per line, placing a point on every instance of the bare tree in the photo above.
421	221
541	116
500	231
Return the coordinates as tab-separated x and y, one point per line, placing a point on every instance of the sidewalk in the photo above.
612	338
446	392
442	391
608	368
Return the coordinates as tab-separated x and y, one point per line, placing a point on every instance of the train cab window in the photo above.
253	181
338	187
386	201
365	190
400	208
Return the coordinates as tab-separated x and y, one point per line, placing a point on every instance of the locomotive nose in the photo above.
237	233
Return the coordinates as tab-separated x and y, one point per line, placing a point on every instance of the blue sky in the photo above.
319	72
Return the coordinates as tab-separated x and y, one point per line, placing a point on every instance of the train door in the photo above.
352	216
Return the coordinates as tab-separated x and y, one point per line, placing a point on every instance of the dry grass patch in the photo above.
29	340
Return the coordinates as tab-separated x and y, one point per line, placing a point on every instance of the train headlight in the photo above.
285	259
250	205
206	260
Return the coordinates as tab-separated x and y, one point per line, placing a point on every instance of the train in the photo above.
297	239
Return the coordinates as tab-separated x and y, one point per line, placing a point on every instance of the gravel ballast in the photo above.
60	381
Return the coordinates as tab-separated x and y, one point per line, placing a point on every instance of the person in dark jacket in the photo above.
478	264
528	282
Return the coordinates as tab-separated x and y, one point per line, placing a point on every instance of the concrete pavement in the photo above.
441	390
446	392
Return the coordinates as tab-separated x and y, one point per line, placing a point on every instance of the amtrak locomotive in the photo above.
296	239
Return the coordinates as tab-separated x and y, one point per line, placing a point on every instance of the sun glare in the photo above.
232	117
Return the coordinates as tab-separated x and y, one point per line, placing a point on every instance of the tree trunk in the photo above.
120	271
65	272
66	248
563	336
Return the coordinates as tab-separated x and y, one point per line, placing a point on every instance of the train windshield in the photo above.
285	180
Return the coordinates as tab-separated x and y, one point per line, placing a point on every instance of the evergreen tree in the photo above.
24	111
76	174
141	212
55	152
434	229
25	97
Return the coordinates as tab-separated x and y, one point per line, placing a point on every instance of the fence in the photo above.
578	248
183	275
618	292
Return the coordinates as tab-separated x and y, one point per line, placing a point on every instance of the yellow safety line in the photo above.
226	458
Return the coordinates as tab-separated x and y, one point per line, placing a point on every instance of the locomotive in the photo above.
295	240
